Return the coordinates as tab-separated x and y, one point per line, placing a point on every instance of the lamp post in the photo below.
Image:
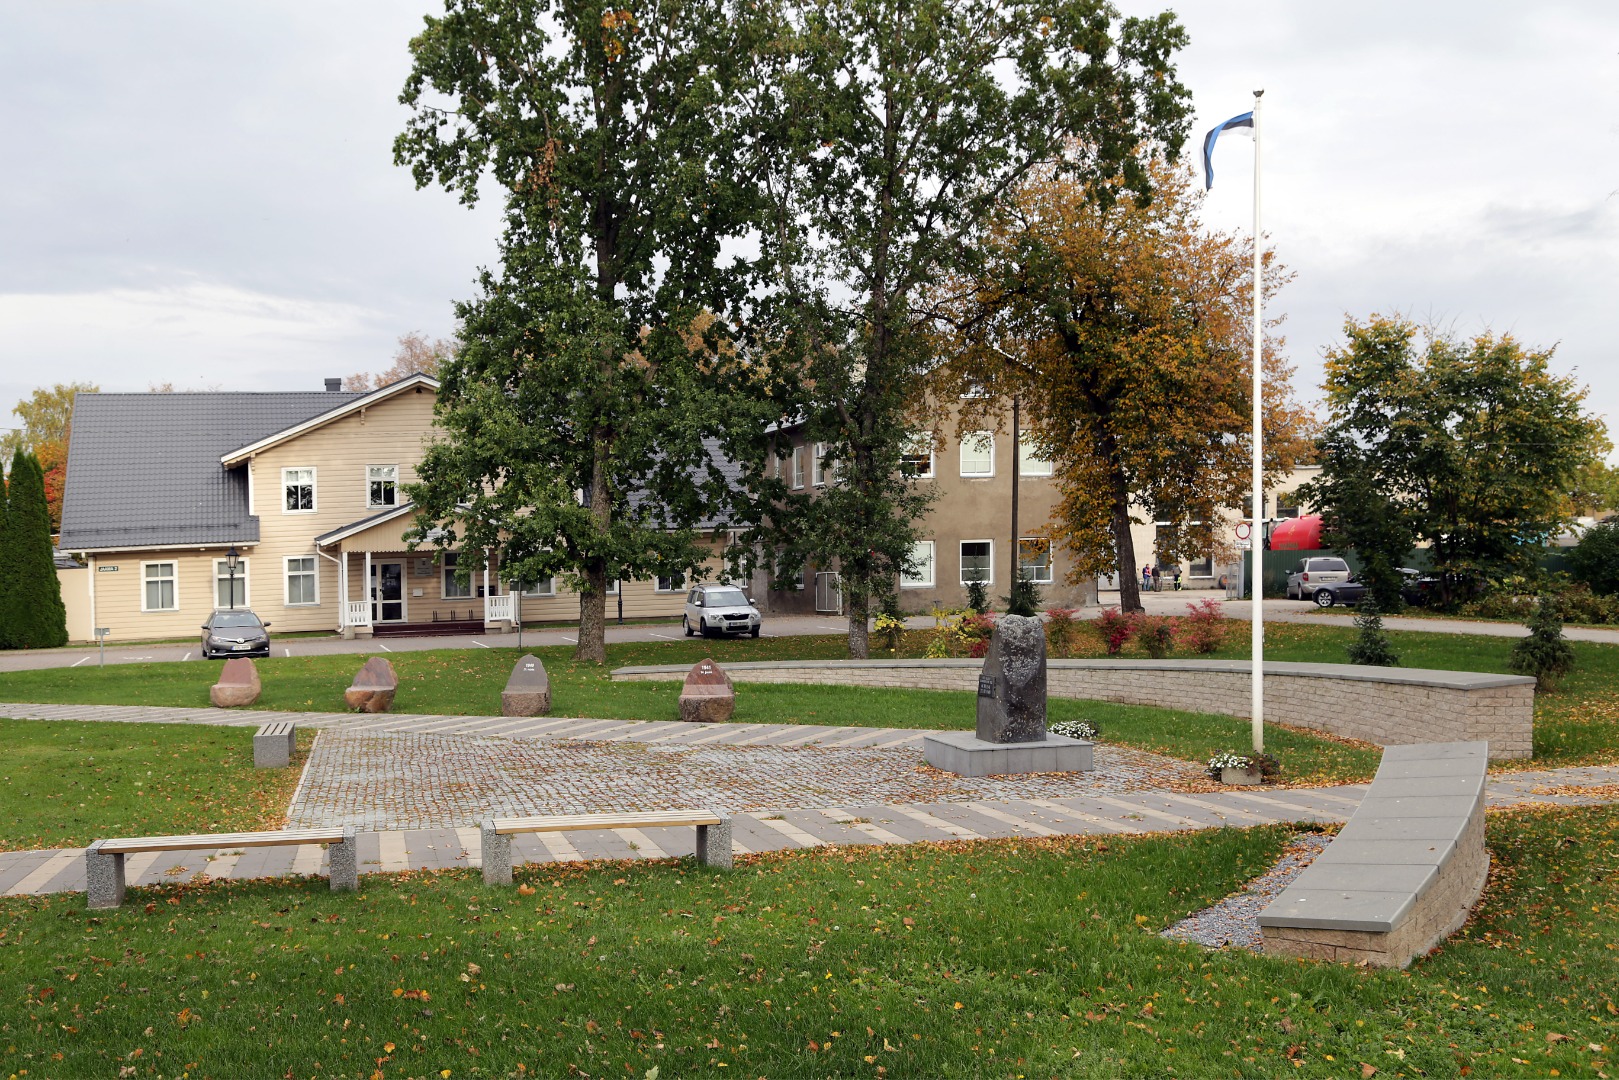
233	562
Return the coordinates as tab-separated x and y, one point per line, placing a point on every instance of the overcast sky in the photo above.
204	193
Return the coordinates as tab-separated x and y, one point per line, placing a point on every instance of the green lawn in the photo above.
1001	958
65	784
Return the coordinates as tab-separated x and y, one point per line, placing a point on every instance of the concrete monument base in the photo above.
965	754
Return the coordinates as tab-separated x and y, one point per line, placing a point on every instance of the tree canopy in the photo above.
31	612
1123	326
47	421
907	124
1471	446
415	355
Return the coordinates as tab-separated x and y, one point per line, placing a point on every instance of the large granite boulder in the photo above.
238	684
1012	684
707	697
374	687
528	691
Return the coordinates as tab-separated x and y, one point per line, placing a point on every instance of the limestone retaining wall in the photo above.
1386	706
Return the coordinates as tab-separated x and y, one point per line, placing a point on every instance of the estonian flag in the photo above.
1245	121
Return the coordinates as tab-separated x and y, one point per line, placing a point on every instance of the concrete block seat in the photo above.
273	745
713	835
1403	874
104	859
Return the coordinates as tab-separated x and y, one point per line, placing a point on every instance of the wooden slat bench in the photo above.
273	745
1403	874
713	835
104	859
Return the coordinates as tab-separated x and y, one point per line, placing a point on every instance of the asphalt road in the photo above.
775	626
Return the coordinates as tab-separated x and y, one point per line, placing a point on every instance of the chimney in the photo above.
333	385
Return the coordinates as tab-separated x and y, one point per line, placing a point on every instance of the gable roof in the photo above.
354	403
144	470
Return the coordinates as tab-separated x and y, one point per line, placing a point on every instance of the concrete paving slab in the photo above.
1351	909
1387	852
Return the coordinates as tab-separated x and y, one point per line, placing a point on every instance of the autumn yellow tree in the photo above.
415	354
1123	328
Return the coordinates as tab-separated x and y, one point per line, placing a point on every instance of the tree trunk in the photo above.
859	637
1124	543
592	646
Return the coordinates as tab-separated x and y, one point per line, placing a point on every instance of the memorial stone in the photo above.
238	684
528	691
1012	685
374	687
707	697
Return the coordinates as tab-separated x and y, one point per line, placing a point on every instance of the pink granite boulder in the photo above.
374	687
238	684
707	697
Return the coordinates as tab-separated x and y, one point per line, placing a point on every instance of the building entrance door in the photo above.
387	592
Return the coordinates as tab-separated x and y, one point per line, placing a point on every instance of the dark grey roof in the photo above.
64	561
143	469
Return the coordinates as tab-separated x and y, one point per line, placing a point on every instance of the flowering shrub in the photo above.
890	630
1204	627
1267	764
975	632
1062	632
958	633
1075	729
1116	628
1156	634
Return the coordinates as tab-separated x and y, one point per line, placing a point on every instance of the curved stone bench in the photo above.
1386	706
1402	875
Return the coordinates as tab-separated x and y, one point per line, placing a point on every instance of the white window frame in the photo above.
314	490
447	580
535	590
222	575
961	564
987	440
1030	465
371	479
286	580
1051	560
911	448
669	584
612	588
798	467
818	466
173	579
907	581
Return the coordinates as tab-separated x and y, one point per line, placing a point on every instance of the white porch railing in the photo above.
357	613
500	608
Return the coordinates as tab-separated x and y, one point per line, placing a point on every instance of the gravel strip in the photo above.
1234	921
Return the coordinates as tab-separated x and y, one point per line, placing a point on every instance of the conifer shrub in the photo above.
1545	653
31	608
1371	646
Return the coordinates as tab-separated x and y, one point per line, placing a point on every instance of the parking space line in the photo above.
76	663
480	644
383	647
187	656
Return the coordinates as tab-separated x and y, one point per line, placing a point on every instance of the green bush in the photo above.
1371	646
1025	598
1545	653
31	612
978	597
1595	559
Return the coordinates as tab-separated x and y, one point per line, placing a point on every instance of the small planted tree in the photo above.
1545	653
1024	599
31	607
1371	645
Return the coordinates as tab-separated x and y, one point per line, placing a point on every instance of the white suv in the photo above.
1313	573
717	610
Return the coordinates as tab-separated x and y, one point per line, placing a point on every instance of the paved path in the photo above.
849	821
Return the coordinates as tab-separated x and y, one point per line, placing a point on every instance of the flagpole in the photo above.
1256	534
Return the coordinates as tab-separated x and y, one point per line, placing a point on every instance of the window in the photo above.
612	588
1029	461
299	485
454	590
978	453
303	584
778	575
920	576
1034	559
381	486
229	592
1285	506
798	466
916	457
543	587
1203	567
159	590
977	560
671	584
818	465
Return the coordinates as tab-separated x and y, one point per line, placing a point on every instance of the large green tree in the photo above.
909	122
31	612
590	363
1470	446
47	420
1123	326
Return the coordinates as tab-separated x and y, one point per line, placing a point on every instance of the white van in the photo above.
1302	582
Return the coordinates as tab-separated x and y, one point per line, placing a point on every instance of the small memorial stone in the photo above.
238	684
1014	708
374	687
707	697
528	691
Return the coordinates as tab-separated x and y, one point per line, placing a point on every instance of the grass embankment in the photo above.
1004	958
66	784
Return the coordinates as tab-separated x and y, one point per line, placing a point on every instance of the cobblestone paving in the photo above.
416	780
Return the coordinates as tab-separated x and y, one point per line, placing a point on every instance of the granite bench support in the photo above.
104	859
1385	706
1402	875
713	835
273	745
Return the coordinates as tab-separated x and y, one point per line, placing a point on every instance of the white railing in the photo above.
499	608
358	613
